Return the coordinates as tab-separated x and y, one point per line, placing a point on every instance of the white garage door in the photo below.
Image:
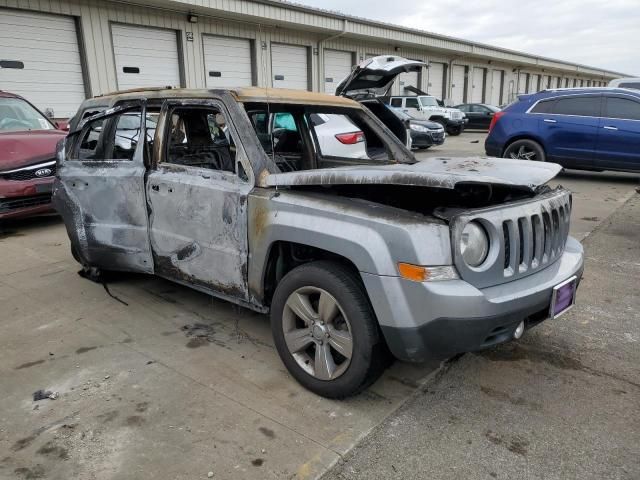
408	79
477	86
533	83
435	84
496	87
227	61
337	65
457	84
522	82
145	57
544	82
289	66
40	60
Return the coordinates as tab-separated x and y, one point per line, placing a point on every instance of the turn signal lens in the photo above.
418	273
414	273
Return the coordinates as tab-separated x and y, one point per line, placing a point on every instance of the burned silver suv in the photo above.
237	193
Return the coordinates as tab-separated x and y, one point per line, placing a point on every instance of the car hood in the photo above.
434	172
18	149
377	74
427	123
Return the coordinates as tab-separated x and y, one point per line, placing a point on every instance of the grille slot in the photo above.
529	236
9	204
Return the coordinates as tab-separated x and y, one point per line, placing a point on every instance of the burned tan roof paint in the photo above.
283	95
244	94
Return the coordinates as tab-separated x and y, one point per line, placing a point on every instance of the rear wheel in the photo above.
525	150
325	330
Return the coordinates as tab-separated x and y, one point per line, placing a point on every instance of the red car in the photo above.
27	158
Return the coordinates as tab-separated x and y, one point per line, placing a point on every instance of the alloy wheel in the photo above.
317	333
523	153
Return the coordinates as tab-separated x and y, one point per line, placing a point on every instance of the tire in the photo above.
351	317
454	131
525	150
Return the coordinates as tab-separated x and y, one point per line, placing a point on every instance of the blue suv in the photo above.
583	128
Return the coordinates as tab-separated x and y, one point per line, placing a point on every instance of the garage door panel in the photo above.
409	79
36	22
230	58
290	62
156	56
436	80
337	66
47	45
457	84
496	86
477	87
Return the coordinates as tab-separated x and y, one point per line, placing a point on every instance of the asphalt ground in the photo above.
158	381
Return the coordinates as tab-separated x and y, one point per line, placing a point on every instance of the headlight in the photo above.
418	128
474	244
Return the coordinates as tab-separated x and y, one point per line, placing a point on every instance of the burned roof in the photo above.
241	94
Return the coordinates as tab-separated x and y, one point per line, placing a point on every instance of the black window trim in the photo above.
559	97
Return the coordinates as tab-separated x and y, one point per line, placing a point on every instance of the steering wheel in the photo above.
8	123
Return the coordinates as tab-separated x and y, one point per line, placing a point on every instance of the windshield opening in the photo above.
428	102
16	115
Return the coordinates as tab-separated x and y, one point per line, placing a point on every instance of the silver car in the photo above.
353	258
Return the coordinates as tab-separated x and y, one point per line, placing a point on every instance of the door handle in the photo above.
548	120
607	127
155	188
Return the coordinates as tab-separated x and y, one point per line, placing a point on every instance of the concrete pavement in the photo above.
141	397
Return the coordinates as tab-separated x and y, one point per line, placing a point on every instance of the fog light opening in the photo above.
517	334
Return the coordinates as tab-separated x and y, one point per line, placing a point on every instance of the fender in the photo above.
373	237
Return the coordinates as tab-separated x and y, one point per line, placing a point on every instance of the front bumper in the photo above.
491	148
19	199
458	122
435	320
426	139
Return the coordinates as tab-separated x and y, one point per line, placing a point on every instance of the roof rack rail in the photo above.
134	90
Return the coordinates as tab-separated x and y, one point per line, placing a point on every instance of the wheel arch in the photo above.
524	136
284	255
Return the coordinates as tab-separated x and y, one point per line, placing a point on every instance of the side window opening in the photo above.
110	138
396	102
411	103
578	106
622	108
280	137
200	137
544	106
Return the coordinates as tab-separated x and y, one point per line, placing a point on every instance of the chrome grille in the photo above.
45	170
525	237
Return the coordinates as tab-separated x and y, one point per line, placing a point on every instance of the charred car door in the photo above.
198	201
99	191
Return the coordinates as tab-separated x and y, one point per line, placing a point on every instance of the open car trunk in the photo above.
376	75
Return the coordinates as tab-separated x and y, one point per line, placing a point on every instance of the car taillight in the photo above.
350	138
494	120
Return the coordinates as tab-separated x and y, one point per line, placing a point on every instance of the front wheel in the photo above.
454	131
525	150
325	330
